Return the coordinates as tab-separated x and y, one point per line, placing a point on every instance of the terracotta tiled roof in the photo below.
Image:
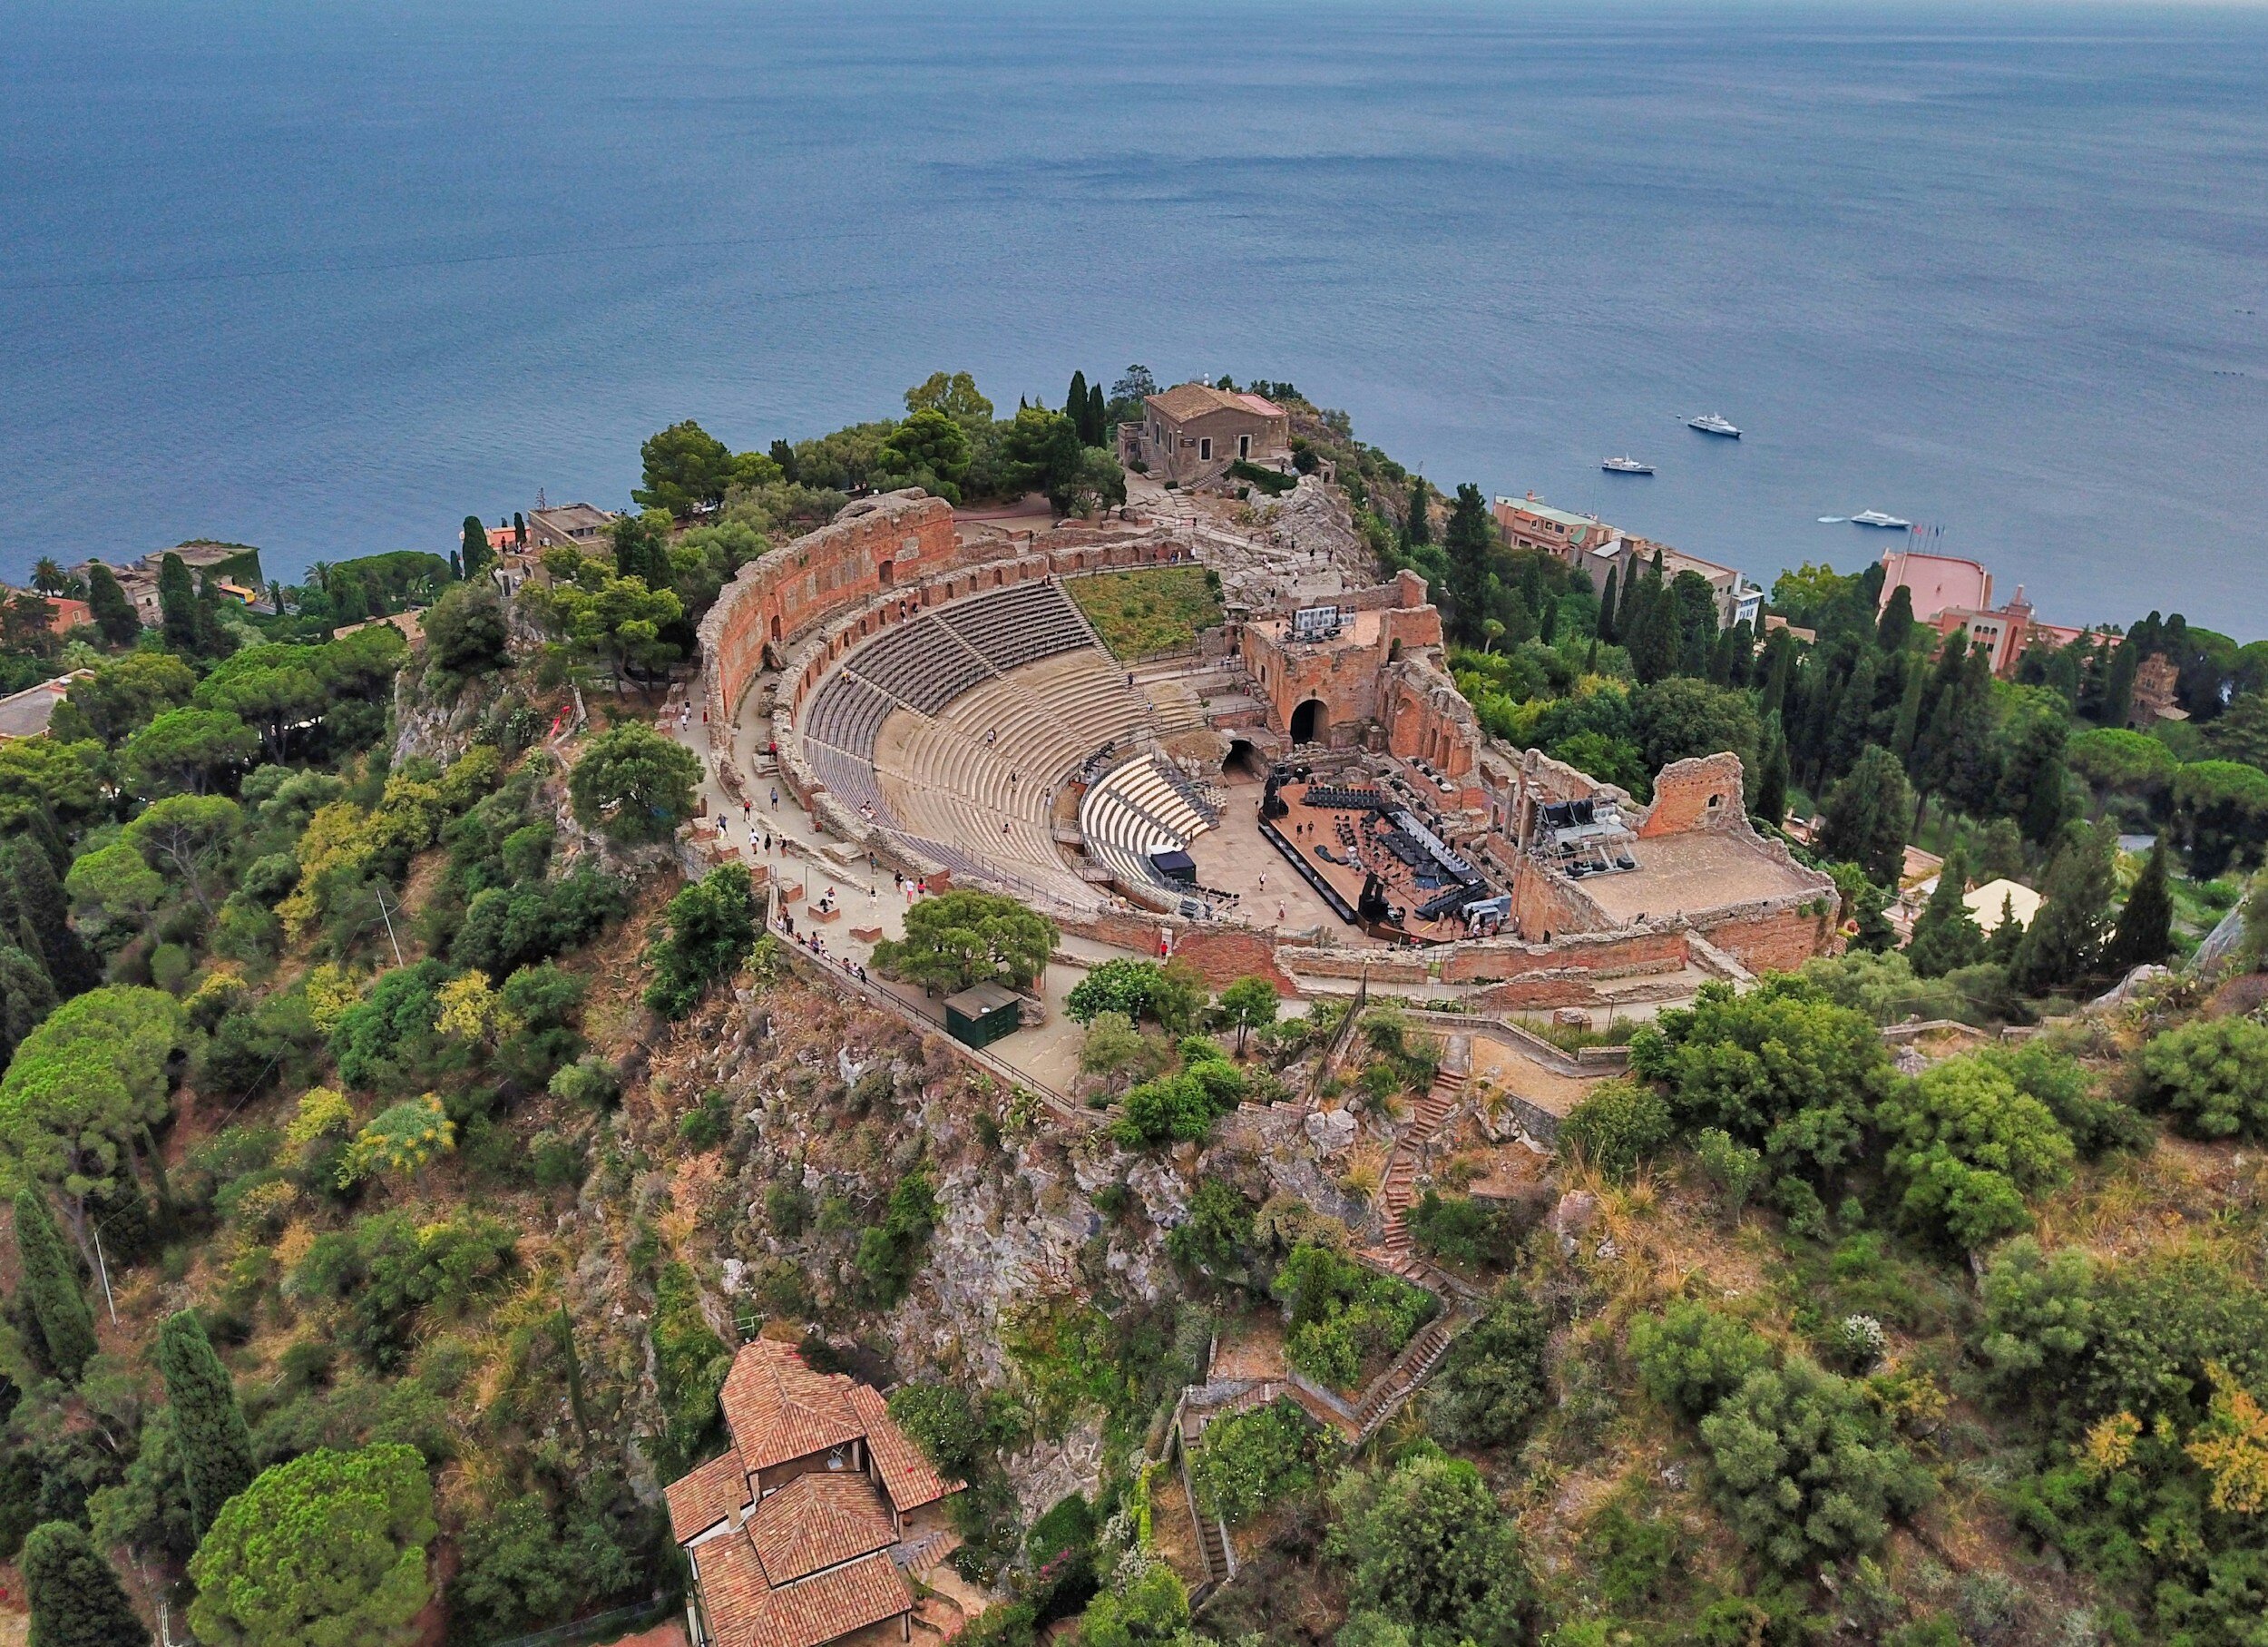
1256	403
820	1519
707	1497
907	1475
778	1408
817	1610
732	1587
833	1604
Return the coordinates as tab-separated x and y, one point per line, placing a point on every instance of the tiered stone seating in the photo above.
1135	811
1020	625
956	729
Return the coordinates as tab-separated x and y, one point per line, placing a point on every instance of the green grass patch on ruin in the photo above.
1141	614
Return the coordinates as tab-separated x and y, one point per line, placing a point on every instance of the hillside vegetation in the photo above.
396	1146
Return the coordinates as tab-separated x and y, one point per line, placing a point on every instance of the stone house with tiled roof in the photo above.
1191	433
795	1534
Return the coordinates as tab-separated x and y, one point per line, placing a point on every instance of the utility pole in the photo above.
388	919
102	1267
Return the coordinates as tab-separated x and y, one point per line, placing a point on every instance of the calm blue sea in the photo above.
326	275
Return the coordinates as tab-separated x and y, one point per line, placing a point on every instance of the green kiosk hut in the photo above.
981	1014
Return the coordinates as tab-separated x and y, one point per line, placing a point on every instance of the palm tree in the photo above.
49	578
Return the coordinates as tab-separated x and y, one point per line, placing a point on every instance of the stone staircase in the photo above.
923	1555
1398	1186
1412	1367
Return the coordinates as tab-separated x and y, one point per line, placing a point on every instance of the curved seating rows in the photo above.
954	729
1137	809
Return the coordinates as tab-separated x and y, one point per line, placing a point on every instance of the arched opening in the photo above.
884	572
775	628
1243	760
1309	722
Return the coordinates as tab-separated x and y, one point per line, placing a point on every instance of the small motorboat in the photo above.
1876	517
1627	465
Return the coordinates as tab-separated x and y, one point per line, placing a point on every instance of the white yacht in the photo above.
1714	424
1627	465
1876	517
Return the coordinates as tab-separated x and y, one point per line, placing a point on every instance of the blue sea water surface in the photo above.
326	276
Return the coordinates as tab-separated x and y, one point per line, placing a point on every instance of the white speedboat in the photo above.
1627	465
1876	517
1714	424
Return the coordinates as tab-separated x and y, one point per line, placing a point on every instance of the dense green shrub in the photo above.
508	928
1617	1124
1346	1321
943	1423
2213	1074
1806	1468
1781	1068
387	1269
1969	1148
1459	1230
1492	1384
712	925
689	1366
1217	1237
891	1253
1178	1108
1803	1466
1691	1358
386	1041
1429	1558
1251	1459
528	1562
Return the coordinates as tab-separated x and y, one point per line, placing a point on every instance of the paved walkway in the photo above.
805	855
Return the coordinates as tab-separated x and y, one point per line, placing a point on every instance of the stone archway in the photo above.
1310	721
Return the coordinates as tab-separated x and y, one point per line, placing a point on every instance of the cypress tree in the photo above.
2118	683
1853	722
1075	407
27	994
2066	939
1548	626
2145	933
1605	630
75	1597
114	613
1779	664
209	1427
1097	415
784	456
457	566
520	527
36	889
1897	620
51	1287
475	545
1946	936
177	603
2005	941
1418	524
1771	801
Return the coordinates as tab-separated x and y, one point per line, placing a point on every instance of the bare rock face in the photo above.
1316	518
1273	1142
1332	1132
1045	1472
1577	1211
